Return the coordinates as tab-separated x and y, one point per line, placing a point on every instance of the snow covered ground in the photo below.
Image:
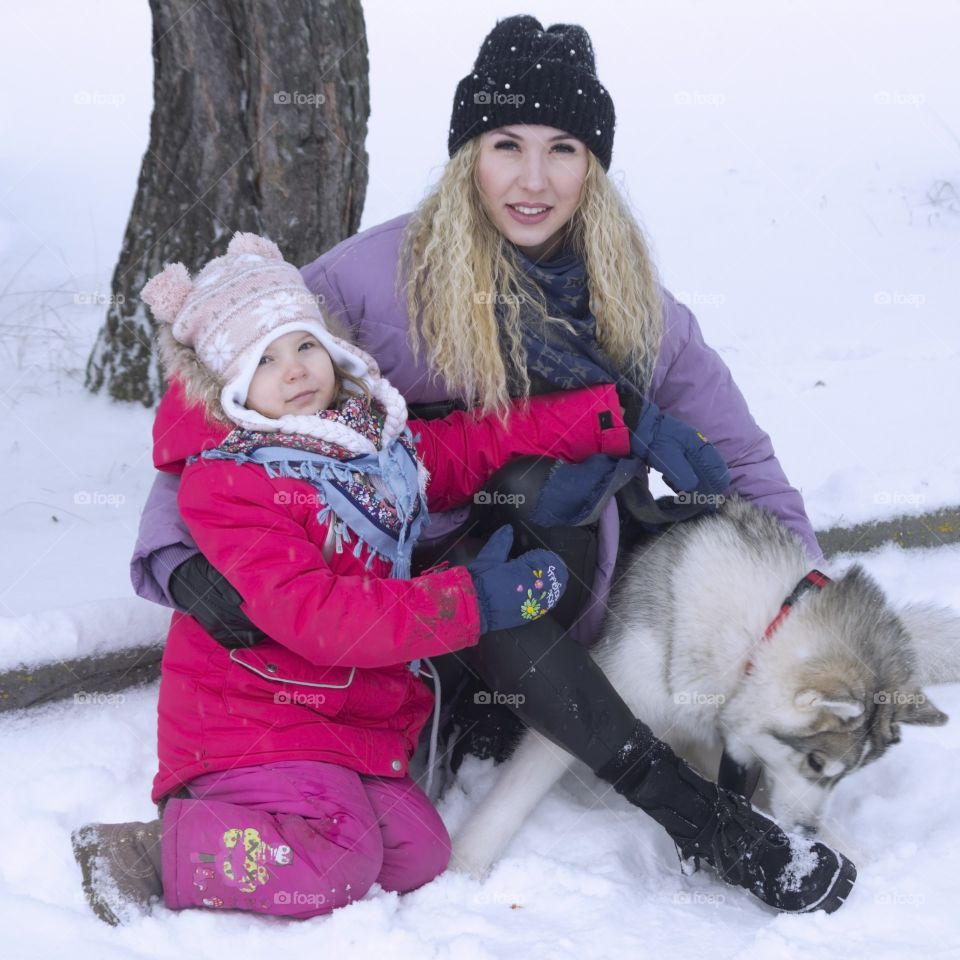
797	166
587	877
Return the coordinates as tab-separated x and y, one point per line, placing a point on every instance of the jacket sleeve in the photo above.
462	451
692	383
332	302
292	594
163	542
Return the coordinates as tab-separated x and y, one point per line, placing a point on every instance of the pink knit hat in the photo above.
238	305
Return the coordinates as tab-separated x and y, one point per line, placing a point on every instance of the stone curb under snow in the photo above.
938	528
92	677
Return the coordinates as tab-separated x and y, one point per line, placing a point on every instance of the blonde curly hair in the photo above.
456	268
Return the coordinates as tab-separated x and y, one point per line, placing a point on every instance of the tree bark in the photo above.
259	122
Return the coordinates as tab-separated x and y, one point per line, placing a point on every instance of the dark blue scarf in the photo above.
558	359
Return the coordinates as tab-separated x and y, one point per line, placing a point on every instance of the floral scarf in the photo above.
374	499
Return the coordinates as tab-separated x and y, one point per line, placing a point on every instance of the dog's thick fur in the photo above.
824	696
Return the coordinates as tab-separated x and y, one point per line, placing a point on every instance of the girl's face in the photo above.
530	181
295	376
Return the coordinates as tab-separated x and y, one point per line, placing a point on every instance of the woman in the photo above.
524	271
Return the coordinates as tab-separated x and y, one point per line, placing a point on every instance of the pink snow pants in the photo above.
297	839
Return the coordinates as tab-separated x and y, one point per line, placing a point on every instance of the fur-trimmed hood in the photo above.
213	331
200	386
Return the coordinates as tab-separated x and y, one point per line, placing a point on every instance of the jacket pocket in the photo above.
274	685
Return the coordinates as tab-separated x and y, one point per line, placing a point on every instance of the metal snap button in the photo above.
396	765
272	668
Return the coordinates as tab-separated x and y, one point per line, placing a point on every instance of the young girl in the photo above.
283	766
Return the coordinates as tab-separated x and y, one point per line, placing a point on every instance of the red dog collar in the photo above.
813	579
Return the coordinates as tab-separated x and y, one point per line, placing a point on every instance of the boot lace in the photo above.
729	841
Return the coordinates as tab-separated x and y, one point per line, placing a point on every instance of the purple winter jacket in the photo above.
357	281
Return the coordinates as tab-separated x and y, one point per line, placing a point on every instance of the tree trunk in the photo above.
259	122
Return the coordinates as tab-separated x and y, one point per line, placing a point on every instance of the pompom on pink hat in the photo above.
239	304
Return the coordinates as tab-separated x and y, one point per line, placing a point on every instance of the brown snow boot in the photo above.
121	868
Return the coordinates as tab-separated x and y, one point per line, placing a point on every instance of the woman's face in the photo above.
295	376
530	181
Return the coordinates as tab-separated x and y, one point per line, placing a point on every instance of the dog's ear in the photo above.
843	707
918	708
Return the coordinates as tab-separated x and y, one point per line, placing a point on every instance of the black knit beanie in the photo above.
525	74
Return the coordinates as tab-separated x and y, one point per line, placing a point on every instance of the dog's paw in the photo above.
469	859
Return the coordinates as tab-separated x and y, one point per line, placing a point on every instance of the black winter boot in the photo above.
744	847
121	868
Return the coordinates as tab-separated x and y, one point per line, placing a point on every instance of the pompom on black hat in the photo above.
525	74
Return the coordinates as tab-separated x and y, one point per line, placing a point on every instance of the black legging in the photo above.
556	686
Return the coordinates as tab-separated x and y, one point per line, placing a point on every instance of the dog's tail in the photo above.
935	632
524	780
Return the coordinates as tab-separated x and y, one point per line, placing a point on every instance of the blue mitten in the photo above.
576	493
511	593
687	460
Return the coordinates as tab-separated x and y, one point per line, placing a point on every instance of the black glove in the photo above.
201	590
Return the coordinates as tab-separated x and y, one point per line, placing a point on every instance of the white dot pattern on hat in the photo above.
504	63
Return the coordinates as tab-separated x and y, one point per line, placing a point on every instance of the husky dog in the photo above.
701	645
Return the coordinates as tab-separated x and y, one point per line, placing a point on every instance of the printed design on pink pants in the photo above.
242	863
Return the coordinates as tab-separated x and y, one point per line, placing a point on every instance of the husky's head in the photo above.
827	695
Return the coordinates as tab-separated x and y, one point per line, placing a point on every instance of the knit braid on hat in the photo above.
525	74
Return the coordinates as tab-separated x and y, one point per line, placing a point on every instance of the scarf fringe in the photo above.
319	470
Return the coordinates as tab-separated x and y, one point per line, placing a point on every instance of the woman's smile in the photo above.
529	213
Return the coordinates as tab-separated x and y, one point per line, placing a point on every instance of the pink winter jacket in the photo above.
333	684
